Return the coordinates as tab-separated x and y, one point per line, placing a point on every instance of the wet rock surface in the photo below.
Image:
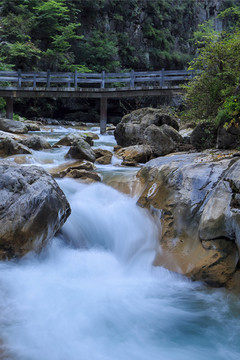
32	209
63	170
136	153
84	175
103	157
80	149
196	197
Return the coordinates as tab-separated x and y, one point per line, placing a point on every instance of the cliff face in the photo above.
145	34
118	35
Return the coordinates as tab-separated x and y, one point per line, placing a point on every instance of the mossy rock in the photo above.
204	136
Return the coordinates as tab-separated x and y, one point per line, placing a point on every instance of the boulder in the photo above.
204	136
228	138
135	154
63	170
101	152
104	157
171	133
13	126
116	148
92	135
9	146
36	142
130	131
32	209
105	160
70	139
32	126
86	176
129	163
80	149
158	140
198	196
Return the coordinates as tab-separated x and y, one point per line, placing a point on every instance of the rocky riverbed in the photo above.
194	196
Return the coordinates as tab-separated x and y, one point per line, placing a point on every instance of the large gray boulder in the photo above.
32	126
130	131
32	209
70	139
9	146
81	150
199	199
13	126
36	142
159	139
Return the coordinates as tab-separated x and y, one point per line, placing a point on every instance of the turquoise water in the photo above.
93	293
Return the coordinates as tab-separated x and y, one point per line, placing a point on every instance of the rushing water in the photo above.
93	294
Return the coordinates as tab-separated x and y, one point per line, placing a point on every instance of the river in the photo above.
93	294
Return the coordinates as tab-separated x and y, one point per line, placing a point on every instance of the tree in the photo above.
217	83
100	52
39	34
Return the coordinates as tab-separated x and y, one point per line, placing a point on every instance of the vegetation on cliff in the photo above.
98	35
214	94
114	35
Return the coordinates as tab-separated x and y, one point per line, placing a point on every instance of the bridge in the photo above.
103	86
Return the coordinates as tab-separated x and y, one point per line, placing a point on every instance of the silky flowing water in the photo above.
93	294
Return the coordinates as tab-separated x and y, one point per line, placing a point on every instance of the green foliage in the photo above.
3	67
139	34
231	17
16	117
100	52
210	93
205	34
51	16
229	113
39	34
23	53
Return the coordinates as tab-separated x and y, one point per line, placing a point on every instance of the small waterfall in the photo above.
103	218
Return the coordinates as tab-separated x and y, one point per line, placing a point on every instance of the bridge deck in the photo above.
30	92
18	84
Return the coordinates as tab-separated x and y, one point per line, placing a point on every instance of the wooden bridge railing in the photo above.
162	78
103	85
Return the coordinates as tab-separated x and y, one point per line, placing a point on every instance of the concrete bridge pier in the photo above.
9	108
103	115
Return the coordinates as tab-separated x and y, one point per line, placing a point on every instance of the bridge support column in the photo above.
9	108
103	115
